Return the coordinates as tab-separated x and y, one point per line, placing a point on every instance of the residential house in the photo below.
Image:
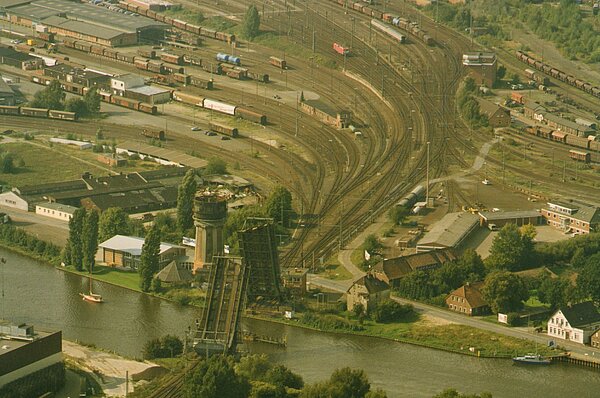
125	251
468	299
574	217
498	116
575	322
368	291
595	339
392	270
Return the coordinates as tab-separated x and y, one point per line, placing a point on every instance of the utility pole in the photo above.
427	178
352	39
564	170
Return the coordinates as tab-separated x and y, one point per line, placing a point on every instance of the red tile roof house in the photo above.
468	300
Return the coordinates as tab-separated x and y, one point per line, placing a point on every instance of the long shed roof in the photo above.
450	230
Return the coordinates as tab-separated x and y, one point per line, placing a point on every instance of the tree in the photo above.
372	244
113	221
149	258
418	285
153	349
185	201
554	292
51	97
172	345
351	383
588	280
75	238
7	163
235	222
215	166
452	393
76	105
261	389
510	250
390	311
398	214
251	23
279	205
281	376
89	239
215	378
254	367
92	101
156	285
505	291
501	72
379	393
468	268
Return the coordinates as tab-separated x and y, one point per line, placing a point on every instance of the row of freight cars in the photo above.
179	24
143	63
558	74
399	37
412	28
37	112
106	97
588	143
219	106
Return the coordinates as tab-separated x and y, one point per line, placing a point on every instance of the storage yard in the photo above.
396	79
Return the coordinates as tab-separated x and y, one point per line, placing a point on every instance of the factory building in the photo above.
81	21
10	56
450	232
482	67
86	78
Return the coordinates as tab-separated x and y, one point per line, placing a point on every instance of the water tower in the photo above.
210	212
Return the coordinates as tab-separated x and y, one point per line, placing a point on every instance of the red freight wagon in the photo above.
338	48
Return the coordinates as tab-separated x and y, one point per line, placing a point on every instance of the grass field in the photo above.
43	164
128	279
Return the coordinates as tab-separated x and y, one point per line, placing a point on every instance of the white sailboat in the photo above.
91	296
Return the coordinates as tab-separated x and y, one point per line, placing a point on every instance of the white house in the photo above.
14	200
367	291
55	210
125	251
575	322
119	84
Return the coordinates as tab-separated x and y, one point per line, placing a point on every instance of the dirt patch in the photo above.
429	320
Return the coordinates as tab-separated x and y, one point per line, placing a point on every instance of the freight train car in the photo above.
261	77
52	114
147	53
36	112
188	98
278	62
172	58
250	115
400	38
580	156
230	59
223	129
199	82
9	110
219	106
157	135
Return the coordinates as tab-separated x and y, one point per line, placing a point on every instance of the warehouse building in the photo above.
9	56
25	351
149	94
7	95
567	126
82	21
450	232
86	78
482	67
501	218
55	210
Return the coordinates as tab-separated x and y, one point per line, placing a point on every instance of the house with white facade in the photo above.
575	322
367	291
14	200
55	210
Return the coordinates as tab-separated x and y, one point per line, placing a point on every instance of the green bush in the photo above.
391	311
15	237
513	319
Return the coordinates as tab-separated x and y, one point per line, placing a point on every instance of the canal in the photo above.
38	294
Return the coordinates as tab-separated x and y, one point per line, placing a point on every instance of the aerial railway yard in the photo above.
340	182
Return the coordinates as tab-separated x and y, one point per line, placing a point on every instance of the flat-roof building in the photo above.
79	76
9	56
25	351
501	218
574	217
83	21
55	210
149	94
450	232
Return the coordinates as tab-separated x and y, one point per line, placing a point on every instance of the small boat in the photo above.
533	359
91	297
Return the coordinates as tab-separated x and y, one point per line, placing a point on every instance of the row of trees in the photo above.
468	105
168	346
13	236
256	377
53	97
82	245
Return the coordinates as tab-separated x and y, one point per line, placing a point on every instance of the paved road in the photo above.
450	316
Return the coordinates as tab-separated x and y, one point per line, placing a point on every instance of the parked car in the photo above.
196	128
